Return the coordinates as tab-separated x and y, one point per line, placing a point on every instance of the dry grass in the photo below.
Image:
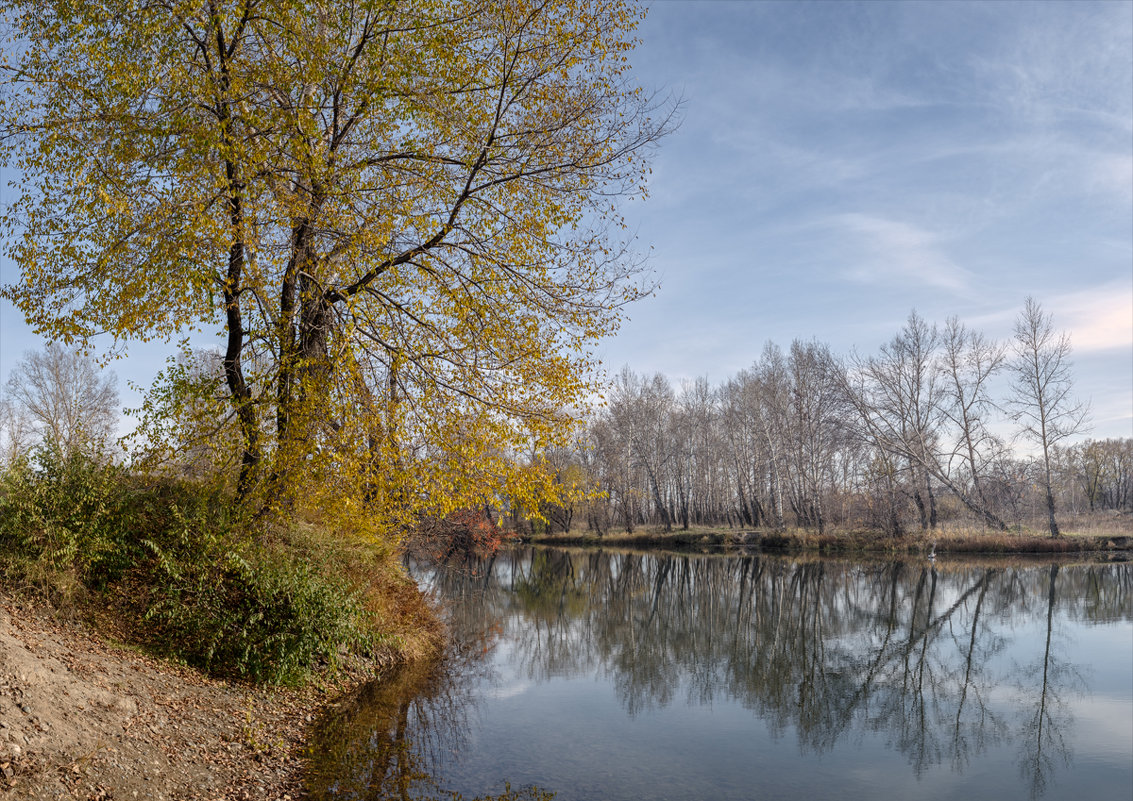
951	539
405	624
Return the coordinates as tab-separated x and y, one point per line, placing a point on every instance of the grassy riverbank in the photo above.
175	568
800	540
146	628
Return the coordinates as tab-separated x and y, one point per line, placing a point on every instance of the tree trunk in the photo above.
932	519
238	388
918	499
1054	532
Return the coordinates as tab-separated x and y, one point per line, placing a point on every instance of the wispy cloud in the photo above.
902	253
841	163
1099	318
1063	64
1112	173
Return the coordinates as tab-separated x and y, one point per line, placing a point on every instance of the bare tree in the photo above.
817	409
64	397
871	441
771	405
746	447
15	430
691	436
898	396
968	363
1041	400
1102	471
923	390
639	410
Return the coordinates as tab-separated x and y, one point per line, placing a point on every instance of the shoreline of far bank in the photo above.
941	543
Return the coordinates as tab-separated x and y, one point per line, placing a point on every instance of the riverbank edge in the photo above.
88	715
920	544
248	741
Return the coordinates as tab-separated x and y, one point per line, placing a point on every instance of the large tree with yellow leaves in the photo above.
402	216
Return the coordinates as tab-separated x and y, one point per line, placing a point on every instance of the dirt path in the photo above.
82	719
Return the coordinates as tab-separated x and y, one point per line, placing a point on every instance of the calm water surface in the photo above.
602	676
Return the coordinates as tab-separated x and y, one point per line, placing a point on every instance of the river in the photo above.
598	675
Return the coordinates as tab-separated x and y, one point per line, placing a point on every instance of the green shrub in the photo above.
204	589
58	519
249	610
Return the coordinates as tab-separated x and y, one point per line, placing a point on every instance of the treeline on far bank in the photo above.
942	429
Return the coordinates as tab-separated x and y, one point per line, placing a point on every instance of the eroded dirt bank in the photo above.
81	718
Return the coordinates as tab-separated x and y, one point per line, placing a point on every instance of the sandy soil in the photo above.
82	718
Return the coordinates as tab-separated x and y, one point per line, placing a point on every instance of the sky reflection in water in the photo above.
609	675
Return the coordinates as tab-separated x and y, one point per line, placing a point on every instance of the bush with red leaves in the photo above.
464	532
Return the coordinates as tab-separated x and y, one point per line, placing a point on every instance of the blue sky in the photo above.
840	164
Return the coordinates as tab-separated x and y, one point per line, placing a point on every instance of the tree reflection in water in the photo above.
1042	744
386	740
918	653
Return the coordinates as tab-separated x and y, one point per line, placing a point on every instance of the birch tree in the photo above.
1042	402
968	363
897	399
640	411
60	395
